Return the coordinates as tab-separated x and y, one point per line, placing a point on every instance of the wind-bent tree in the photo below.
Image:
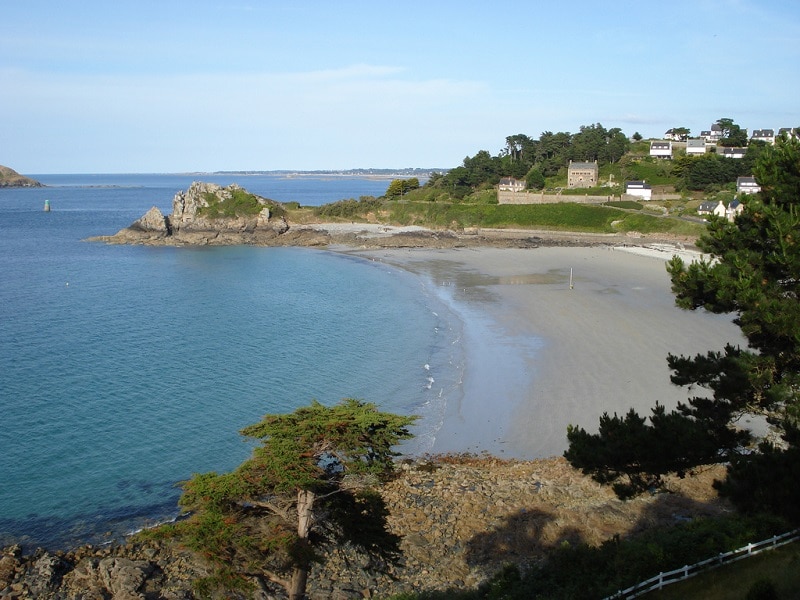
311	481
754	274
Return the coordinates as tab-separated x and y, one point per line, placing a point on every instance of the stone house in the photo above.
582	174
661	149
638	188
747	185
509	184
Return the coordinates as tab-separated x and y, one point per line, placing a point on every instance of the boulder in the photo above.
153	221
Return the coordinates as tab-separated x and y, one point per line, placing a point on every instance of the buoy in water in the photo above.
47	206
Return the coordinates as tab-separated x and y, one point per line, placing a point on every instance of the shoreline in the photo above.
541	356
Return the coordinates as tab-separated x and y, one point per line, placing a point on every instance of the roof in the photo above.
734	150
708	205
660	145
740	180
763	133
694	142
583	165
637	184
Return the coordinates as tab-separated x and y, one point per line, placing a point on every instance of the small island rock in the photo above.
208	214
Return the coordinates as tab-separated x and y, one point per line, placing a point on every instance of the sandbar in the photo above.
557	336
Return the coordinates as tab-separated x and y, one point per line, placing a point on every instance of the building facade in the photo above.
582	174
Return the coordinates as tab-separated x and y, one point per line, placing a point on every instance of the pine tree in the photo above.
753	273
311	481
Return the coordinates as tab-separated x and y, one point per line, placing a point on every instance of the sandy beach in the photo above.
542	355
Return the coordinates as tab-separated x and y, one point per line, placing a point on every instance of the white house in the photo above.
734	209
638	188
712	135
695	146
672	135
747	185
509	184
764	135
720	210
731	152
661	149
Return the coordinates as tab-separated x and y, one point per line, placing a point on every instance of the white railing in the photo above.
663	579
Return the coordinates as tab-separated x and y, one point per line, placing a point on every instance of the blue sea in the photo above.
126	369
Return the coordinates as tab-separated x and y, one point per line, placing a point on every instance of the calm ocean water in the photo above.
124	369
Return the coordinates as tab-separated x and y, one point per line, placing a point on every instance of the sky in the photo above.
210	85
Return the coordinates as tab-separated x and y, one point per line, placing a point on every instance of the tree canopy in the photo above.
732	134
523	157
398	187
310	482
753	273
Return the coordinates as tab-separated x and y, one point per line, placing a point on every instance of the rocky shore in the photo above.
461	519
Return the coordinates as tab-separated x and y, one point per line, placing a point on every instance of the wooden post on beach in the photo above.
570	278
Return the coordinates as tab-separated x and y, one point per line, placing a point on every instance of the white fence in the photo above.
663	579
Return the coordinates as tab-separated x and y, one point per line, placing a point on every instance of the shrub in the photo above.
237	203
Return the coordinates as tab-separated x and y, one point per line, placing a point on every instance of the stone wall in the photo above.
504	197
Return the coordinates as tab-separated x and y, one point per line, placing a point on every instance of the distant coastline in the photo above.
360	173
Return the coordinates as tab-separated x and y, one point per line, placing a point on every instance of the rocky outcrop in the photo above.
207	214
10	178
461	520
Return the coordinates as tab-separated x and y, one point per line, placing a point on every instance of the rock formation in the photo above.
207	214
10	178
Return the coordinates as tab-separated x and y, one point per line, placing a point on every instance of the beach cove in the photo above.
557	336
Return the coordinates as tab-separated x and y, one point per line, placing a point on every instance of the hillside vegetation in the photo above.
466	196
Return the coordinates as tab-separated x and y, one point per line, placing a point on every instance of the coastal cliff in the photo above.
10	178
